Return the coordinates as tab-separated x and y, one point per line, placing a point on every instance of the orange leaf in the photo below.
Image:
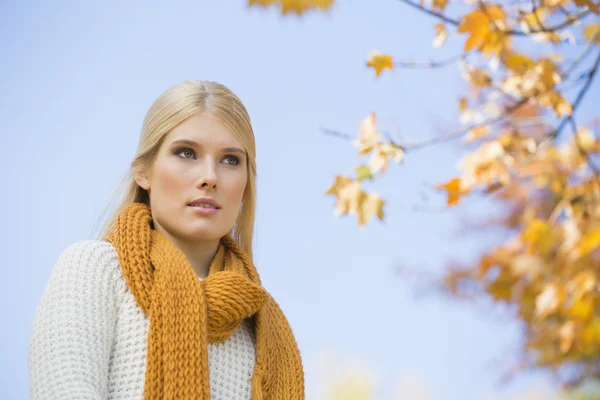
592	31
589	4
380	61
453	189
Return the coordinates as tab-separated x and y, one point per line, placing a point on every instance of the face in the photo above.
198	158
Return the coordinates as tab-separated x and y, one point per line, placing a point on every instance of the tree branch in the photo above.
582	151
430	64
570	20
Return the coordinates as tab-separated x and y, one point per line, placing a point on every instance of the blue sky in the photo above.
77	79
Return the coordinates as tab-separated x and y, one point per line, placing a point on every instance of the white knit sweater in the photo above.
89	336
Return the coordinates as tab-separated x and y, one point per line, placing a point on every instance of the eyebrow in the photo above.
192	143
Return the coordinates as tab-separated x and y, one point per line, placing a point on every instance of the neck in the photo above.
199	253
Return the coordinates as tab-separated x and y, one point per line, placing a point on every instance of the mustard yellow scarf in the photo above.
187	313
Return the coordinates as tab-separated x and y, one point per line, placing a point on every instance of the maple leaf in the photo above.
369	136
592	31
363	172
589	4
589	242
372	206
380	61
480	25
379	160
538	234
441	4
441	34
453	189
518	62
294	6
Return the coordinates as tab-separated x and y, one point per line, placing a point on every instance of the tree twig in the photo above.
570	20
430	64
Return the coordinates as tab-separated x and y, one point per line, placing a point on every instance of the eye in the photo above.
184	150
236	160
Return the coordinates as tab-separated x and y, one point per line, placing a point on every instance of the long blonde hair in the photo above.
171	108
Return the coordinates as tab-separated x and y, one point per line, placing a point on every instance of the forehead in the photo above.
203	128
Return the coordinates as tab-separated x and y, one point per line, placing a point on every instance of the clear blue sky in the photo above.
76	80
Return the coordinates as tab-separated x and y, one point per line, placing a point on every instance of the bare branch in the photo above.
569	21
430	64
580	96
431	12
462	132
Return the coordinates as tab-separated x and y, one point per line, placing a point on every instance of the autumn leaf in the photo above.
480	25
589	242
589	4
547	301
294	6
518	62
363	172
351	199
441	4
380	61
453	189
538	234
441	34
592	32
369	136
372	206
382	153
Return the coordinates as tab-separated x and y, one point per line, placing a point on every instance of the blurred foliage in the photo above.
528	66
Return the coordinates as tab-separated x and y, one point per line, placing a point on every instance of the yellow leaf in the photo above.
592	31
363	172
477	132
518	62
480	25
381	153
463	103
372	206
559	104
453	189
589	4
547	301
566	334
369	137
582	309
441	34
589	242
538	234
441	4
380	61
296	6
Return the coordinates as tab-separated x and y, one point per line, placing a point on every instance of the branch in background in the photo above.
434	13
445	138
464	131
430	64
580	96
582	151
588	50
569	21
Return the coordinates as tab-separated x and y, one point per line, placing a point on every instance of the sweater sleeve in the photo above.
73	327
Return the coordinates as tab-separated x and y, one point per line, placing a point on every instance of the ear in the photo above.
142	181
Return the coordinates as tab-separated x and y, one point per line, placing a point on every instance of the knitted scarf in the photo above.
187	313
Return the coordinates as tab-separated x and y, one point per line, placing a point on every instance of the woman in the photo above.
166	303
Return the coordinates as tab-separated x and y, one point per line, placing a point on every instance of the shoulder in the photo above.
89	265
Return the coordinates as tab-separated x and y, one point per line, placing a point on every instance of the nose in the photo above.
208	176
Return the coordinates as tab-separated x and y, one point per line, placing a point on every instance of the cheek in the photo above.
170	177
236	186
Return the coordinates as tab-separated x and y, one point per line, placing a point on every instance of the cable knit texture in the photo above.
132	320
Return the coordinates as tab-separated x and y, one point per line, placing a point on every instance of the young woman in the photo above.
166	303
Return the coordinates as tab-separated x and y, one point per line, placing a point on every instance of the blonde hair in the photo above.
172	107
